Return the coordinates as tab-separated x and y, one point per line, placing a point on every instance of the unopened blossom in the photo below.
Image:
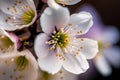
107	36
20	66
63	2
17	14
58	46
8	43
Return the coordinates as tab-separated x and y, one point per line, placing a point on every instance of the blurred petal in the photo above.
52	18
81	23
26	70
102	65
111	35
113	55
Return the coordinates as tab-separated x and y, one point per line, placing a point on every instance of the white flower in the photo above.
108	54
64	2
58	46
20	66
8	43
17	14
106	37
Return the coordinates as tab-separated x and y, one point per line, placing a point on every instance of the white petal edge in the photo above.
70	2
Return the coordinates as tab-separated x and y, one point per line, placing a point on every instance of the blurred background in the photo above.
109	13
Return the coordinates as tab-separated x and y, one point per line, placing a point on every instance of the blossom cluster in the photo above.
55	47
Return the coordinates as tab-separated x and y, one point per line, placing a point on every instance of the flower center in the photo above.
5	44
23	14
59	38
28	16
21	62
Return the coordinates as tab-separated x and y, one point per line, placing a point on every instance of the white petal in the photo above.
10	71
6	5
68	2
52	18
31	3
89	47
96	17
81	23
53	4
102	65
111	35
50	63
41	48
113	55
3	23
76	64
11	13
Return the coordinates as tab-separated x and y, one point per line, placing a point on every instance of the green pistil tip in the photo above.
61	39
21	62
28	16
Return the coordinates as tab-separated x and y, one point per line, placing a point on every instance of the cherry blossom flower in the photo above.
20	66
8	43
106	37
58	46
17	14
